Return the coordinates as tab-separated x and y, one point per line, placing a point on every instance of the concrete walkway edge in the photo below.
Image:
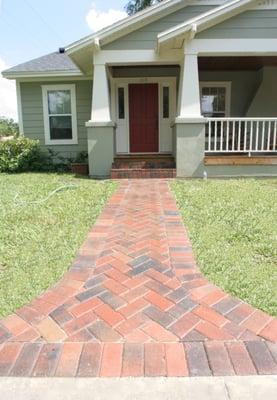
216	388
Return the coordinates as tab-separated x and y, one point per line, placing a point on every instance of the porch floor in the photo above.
143	166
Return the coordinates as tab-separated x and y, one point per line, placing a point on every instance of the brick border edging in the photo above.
209	358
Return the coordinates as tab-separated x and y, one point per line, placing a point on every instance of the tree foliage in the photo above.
134	6
8	127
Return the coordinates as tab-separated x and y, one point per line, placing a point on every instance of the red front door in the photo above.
144	118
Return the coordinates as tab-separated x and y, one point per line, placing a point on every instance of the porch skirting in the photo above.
236	171
101	148
189	147
240	166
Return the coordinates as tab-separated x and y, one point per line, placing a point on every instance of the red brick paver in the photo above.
134	303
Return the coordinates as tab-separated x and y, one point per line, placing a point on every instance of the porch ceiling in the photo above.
235	63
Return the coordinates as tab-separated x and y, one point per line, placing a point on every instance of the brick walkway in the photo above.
135	304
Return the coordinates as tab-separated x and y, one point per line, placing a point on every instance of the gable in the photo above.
146	37
249	24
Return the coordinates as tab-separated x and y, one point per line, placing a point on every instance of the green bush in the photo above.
23	154
17	155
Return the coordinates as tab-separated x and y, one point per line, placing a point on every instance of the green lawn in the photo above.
38	241
233	228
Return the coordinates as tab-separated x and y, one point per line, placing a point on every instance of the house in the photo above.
186	88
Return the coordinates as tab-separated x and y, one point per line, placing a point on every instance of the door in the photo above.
144	117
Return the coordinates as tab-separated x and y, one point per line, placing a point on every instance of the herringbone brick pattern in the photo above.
134	303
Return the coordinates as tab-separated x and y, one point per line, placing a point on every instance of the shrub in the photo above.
23	154
18	155
82	158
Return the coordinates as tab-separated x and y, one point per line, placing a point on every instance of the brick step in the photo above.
143	173
144	162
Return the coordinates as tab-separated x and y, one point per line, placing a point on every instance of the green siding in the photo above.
32	114
244	85
250	24
146	37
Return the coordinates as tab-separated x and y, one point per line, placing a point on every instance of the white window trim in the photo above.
45	90
226	85
19	108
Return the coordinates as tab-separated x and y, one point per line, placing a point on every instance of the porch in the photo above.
208	114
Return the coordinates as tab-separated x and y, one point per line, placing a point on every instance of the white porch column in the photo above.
189	124
100	111
189	96
100	128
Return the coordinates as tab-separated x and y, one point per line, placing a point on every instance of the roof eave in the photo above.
124	25
42	74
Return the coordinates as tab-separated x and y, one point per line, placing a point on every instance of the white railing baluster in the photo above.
239	135
210	135
215	136
263	131
251	136
268	135
245	136
221	135
248	135
233	135
257	135
227	134
274	147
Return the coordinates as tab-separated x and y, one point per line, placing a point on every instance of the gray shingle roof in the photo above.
51	62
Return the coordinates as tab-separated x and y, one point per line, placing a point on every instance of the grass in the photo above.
38	241
233	228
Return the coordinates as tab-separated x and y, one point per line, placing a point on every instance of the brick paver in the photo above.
134	303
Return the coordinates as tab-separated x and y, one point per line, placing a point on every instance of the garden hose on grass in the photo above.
59	189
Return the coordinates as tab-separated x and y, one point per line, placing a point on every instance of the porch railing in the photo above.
241	135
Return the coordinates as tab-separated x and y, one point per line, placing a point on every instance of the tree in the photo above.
137	5
8	127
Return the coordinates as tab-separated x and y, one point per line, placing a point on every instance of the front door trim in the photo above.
122	125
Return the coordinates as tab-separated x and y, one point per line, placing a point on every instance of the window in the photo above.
215	99
121	103
59	109
165	102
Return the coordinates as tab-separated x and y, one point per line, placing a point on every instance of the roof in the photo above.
56	63
61	64
206	20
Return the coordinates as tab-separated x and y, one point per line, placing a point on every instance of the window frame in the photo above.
119	117
46	115
227	86
165	85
